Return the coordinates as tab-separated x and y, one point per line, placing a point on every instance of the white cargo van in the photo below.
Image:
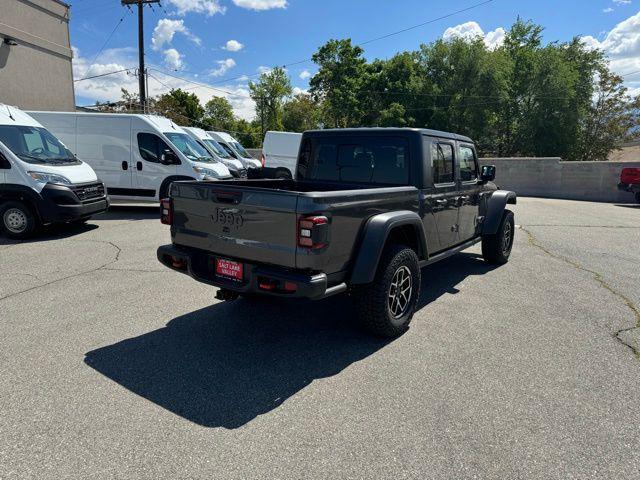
235	166
41	181
233	147
280	154
137	156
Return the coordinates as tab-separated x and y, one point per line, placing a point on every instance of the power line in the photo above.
92	64
199	84
103	74
382	37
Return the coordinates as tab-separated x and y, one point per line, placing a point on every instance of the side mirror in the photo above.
168	158
488	173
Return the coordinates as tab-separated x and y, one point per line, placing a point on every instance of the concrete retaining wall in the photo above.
553	178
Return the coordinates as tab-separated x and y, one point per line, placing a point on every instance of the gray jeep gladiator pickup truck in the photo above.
368	208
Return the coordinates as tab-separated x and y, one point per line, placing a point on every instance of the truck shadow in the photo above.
131	212
224	365
50	233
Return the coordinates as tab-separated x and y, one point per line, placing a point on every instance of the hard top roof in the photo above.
423	131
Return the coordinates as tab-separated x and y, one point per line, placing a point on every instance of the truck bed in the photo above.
257	220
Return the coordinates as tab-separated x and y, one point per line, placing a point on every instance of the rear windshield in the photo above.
379	160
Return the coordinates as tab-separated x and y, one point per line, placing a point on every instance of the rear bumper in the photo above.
629	187
59	204
199	266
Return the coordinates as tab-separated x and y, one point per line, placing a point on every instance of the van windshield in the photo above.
190	148
240	149
36	145
217	148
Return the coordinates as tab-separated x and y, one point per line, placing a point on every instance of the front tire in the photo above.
386	306
496	248
18	221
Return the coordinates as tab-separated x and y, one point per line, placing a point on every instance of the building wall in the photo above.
36	74
553	178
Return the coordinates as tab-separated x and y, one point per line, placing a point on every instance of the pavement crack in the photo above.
603	283
101	267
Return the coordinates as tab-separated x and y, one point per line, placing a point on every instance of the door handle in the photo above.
139	165
125	165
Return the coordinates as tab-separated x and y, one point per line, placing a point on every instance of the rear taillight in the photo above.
263	160
630	175
313	231
166	211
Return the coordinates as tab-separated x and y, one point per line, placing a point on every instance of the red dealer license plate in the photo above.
229	269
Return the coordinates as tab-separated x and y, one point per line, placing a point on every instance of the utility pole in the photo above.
141	70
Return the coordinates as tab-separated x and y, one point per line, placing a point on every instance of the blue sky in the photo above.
213	42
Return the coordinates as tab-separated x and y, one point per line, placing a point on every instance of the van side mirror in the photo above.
168	158
4	163
488	173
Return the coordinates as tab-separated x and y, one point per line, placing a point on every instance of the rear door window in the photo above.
356	160
442	170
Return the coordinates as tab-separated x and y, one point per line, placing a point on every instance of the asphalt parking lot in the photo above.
112	366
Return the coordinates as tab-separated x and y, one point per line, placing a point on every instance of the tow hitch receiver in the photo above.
224	294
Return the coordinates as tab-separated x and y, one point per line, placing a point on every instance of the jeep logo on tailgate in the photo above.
228	217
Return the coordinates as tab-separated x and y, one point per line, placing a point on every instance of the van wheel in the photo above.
386	306
497	248
18	220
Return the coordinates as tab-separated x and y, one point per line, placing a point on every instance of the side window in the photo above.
151	147
468	164
441	162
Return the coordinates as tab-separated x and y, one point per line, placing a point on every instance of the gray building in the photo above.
35	55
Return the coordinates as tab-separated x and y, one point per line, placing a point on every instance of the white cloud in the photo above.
173	59
262	69
233	46
107	89
300	91
622	2
166	29
223	67
304	74
208	7
260	4
622	46
607	10
471	30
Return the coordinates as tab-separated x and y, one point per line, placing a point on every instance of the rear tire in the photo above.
497	248
18	221
386	306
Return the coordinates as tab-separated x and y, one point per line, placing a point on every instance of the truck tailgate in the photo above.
237	222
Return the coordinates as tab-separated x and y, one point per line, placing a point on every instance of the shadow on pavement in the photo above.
131	212
52	232
628	205
224	365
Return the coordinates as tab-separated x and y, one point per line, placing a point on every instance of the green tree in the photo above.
181	107
218	114
301	113
270	93
338	83
611	120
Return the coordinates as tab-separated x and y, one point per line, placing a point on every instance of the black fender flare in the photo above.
23	193
496	204
166	183
375	235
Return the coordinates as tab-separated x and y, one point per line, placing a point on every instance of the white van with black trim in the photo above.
41	181
235	149
137	156
235	166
